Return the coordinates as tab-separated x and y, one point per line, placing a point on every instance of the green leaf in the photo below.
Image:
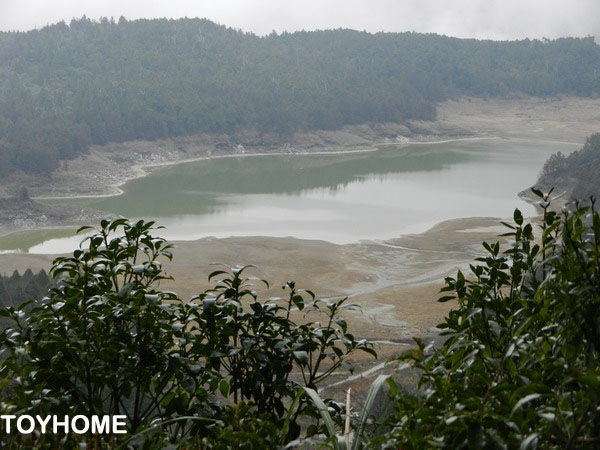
529	442
217	272
288	416
592	381
301	357
537	192
524	401
327	420
518	217
167	399
365	413
224	388
368	350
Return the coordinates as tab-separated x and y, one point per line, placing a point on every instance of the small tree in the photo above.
521	365
107	340
23	194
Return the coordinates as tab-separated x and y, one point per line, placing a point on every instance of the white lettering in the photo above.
20	421
79	424
86	424
7	418
100	427
43	422
118	421
56	423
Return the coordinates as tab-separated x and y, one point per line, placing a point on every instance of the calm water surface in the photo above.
338	198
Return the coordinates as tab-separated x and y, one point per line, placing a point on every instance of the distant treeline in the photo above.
17	288
578	173
65	87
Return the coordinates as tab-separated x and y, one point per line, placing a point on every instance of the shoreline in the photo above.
104	170
142	172
144	169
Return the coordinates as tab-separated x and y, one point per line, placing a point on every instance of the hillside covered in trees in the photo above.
578	173
66	87
16	288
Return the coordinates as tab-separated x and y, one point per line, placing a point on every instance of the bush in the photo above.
107	340
520	368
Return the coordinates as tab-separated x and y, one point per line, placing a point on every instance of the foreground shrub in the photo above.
520	368
108	341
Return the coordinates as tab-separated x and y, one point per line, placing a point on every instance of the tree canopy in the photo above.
66	87
578	173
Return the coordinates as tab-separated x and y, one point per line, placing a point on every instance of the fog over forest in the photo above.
490	19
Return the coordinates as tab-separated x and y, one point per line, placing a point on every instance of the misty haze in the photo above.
425	172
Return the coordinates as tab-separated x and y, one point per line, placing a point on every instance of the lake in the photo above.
339	198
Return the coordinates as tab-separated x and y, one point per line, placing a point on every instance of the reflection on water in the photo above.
339	198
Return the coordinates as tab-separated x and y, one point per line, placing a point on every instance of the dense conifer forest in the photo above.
66	87
16	288
578	173
19	288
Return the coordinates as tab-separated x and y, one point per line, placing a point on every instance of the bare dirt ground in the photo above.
569	119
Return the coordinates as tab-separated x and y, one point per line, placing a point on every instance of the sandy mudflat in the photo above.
395	282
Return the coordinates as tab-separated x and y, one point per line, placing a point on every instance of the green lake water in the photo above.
338	198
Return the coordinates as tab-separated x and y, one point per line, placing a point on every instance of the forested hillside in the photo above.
17	288
65	87
578	173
